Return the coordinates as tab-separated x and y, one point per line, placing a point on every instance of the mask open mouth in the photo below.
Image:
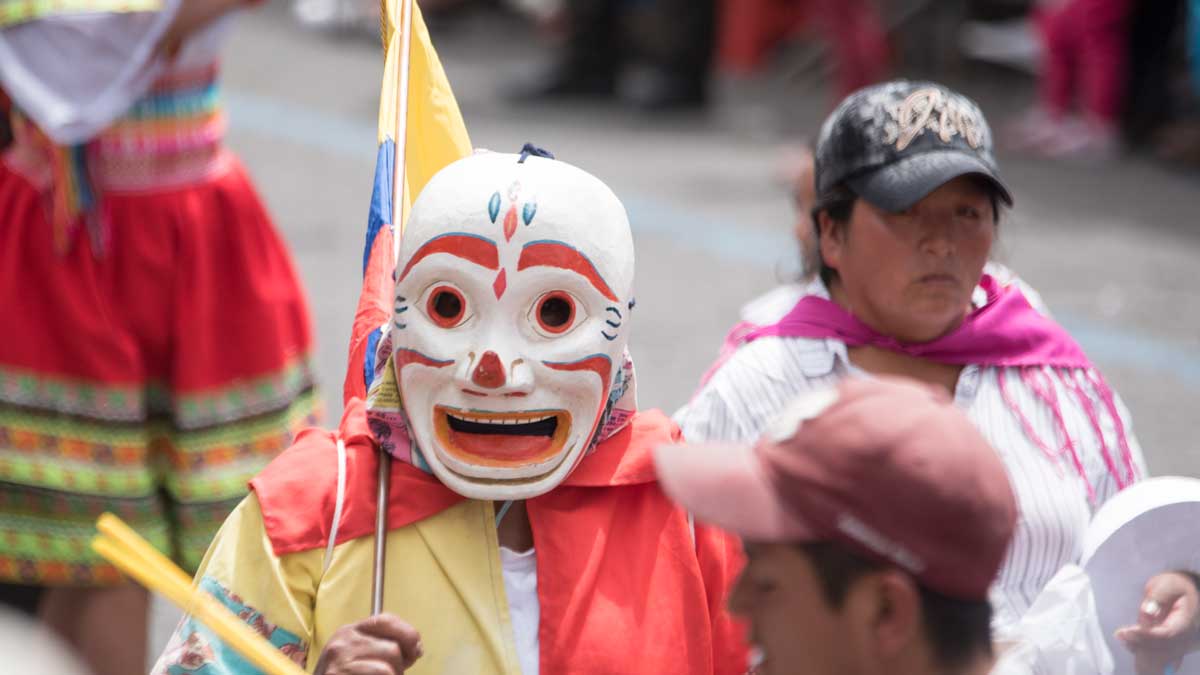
502	439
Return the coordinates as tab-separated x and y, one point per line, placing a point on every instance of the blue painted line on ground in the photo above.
340	136
356	140
1122	347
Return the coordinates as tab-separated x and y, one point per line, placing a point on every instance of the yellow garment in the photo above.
446	569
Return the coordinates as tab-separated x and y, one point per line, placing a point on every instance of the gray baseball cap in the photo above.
894	143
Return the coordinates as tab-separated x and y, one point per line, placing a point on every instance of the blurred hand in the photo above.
380	645
1168	624
193	15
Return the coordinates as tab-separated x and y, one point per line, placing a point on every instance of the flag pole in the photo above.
399	175
400	126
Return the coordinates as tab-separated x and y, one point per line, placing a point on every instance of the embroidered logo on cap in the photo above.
929	109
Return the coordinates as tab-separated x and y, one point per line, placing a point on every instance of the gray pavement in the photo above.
1112	247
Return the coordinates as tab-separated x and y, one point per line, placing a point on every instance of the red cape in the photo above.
620	578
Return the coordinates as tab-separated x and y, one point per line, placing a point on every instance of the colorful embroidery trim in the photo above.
13	12
194	647
58	454
137	403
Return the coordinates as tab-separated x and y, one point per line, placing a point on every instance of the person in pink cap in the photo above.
875	517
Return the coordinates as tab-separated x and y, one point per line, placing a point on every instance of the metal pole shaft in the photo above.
399	177
381	507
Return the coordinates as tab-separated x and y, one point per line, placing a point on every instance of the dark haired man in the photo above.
875	517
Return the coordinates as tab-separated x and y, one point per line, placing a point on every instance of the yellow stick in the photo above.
116	529
202	606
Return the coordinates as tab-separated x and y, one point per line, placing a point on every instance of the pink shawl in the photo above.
1006	332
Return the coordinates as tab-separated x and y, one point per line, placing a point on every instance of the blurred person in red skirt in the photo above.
853	29
156	341
1085	59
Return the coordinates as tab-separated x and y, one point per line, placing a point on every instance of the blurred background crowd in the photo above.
1110	75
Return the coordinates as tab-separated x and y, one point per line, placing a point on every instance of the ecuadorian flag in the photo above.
434	135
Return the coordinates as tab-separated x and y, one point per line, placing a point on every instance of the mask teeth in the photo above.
499	420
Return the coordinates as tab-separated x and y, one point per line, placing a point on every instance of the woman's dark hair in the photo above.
957	630
838	202
6	132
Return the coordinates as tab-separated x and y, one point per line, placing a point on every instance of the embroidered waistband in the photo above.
171	136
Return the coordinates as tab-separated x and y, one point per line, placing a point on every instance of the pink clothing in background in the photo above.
1085	57
856	36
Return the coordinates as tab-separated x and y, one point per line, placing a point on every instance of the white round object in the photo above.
1149	528
31	649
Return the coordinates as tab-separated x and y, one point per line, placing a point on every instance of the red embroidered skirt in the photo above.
151	380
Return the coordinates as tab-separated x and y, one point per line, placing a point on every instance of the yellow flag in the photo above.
436	134
434	137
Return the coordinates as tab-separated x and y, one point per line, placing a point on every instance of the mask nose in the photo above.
490	375
489	372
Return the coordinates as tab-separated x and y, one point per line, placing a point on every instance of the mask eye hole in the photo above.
446	306
554	313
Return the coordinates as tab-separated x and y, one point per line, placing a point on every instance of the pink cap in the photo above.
888	467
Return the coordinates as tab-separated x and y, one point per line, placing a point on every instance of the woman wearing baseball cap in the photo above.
907	207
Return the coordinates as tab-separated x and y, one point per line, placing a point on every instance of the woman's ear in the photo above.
831	240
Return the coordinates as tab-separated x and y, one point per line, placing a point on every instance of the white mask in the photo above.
513	298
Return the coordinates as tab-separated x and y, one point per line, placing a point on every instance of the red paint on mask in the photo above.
510	223
500	284
601	365
407	356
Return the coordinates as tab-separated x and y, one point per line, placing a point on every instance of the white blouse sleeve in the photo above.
74	74
754	385
708	417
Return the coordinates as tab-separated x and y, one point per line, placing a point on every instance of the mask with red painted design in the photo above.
513	300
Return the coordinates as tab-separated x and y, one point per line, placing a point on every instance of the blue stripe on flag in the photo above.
369	362
381	197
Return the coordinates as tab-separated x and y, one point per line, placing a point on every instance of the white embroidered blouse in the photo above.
763	375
